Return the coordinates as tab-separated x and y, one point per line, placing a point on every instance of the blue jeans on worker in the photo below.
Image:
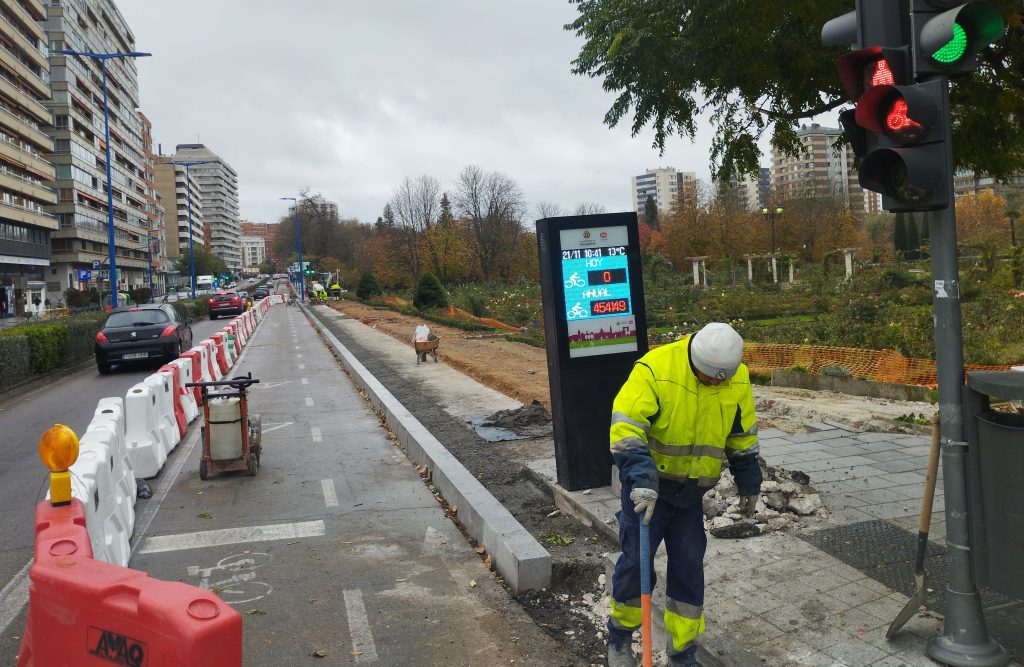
682	530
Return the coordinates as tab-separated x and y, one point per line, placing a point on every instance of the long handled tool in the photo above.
916	600
645	592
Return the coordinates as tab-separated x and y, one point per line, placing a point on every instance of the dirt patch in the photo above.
531	420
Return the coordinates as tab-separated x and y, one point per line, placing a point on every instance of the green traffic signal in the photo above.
954	49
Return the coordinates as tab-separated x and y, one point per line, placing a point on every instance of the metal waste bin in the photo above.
995	479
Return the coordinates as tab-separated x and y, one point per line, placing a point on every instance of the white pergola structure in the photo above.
698	269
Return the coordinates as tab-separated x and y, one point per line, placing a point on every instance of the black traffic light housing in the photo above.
948	34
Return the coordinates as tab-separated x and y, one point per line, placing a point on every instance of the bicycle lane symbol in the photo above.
233	579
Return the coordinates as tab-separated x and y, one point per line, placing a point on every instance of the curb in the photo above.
518	557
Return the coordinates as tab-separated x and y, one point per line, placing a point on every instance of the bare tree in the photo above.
547	209
493	206
588	208
415	204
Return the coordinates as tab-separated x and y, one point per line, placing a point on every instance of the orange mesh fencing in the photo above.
486	321
879	365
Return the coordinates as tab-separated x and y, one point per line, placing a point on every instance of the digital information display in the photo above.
595	281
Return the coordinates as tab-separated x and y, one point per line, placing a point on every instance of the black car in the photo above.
142	333
226	303
261	293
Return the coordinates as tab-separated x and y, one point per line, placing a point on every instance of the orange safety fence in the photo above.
879	365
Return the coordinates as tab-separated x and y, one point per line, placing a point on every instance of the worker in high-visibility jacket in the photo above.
685	407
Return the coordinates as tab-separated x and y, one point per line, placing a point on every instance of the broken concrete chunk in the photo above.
805	504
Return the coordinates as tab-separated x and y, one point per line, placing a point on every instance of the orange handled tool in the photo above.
645	592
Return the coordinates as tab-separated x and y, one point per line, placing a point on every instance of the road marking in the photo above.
217	538
298	354
330	495
359	627
277	426
298	347
152	507
302	367
317	435
271	385
309	401
13	597
305	380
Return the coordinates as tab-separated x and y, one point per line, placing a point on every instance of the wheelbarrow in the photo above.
423	347
231	436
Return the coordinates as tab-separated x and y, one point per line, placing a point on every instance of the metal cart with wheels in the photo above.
231	436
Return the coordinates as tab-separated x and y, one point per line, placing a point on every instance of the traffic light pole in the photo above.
964	640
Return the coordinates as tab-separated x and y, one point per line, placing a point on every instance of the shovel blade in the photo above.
913	605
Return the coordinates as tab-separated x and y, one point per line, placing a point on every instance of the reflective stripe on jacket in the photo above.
666	423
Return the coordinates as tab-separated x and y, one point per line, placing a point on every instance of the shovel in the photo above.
645	593
917	599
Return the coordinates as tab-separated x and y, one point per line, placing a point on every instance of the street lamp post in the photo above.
298	247
103	58
188	201
770	214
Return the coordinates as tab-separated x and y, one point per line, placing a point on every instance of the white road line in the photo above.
298	355
302	367
217	538
277	426
305	380
359	627
317	435
309	401
330	495
298	347
13	597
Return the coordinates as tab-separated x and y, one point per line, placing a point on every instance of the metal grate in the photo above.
886	553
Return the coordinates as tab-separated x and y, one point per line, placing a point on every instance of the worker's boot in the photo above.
620	654
687	658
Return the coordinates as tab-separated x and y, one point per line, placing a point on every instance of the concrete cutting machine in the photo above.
231	436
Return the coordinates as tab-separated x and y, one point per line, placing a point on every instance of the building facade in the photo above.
26	177
820	170
662	185
218	188
81	242
254	253
178	191
967	182
267	232
160	268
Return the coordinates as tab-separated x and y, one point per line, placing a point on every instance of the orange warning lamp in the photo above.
58	449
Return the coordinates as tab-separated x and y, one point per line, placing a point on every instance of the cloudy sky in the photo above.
347	98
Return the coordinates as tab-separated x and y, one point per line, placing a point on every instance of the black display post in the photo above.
595	326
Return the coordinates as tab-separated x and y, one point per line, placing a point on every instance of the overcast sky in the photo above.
349	97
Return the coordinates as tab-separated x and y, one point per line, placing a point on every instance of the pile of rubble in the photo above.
786	498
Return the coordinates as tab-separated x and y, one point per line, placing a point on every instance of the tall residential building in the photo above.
967	182
267	232
218	187
764	186
26	178
159	264
820	170
177	192
254	253
662	184
743	190
79	149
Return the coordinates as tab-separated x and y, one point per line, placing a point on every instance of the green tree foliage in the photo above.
368	286
913	239
663	61
206	262
429	293
899	236
651	213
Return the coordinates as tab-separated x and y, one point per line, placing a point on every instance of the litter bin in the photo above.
995	478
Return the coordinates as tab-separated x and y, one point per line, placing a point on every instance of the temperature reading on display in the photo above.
606	277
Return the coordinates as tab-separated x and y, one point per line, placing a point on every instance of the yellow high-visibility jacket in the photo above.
670	432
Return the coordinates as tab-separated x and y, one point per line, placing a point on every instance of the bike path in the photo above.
336	549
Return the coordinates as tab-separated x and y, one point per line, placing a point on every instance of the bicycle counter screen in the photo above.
595	279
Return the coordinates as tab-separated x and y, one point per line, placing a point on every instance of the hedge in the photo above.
194	309
14	360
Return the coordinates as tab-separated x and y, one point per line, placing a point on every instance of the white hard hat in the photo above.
716	350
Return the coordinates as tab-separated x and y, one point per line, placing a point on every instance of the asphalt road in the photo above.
69	400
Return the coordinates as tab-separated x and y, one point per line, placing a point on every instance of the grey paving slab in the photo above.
905	478
896	466
887	454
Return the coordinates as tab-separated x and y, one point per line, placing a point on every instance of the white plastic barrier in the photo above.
110	415
241	330
229	347
166	423
146	451
109	516
188	399
211	359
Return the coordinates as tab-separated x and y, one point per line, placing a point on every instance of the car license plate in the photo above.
134	355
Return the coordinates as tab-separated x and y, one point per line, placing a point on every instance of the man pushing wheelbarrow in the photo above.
425	342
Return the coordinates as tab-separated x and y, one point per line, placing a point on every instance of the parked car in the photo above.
226	303
141	333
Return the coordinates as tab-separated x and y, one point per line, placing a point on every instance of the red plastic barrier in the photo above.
219	341
88	613
197	371
179	387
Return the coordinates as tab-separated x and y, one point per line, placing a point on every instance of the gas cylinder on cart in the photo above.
226	437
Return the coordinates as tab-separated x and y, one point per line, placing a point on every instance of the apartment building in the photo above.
967	182
254	253
178	191
662	184
218	188
26	177
79	149
744	191
820	170
160	267
267	232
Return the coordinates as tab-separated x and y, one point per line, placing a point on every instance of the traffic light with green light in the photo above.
949	34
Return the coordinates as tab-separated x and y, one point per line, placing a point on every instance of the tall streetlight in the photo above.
771	213
188	201
103	58
298	247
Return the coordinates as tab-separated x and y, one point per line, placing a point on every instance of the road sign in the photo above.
95	264
83	275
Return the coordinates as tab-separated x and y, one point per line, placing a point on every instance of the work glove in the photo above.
747	506
643	501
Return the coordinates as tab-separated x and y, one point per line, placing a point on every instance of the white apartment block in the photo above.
180	195
218	189
662	184
254	251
